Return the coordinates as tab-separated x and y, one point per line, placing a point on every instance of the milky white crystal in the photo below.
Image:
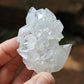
39	42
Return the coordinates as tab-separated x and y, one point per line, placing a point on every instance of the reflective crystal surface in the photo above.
39	42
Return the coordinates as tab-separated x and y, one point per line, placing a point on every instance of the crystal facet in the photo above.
39	42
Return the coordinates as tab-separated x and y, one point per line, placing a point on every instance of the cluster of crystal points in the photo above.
39	42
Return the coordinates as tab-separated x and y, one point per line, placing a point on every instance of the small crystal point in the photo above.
67	47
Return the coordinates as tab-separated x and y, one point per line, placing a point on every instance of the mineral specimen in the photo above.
39	42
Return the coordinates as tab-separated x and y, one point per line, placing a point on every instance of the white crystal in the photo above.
39	42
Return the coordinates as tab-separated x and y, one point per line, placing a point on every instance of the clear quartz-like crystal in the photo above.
39	42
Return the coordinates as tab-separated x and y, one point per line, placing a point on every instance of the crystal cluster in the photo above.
39	42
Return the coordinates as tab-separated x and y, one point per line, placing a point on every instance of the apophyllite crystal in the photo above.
39	42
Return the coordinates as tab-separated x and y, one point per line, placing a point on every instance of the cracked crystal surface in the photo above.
39	42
